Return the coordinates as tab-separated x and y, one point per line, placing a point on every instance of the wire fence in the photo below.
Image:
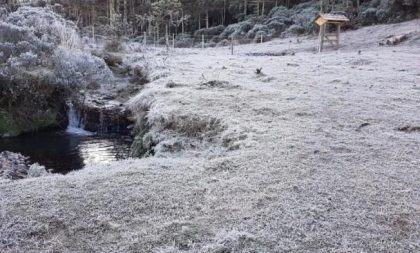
198	41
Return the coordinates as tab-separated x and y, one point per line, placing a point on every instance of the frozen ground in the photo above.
321	153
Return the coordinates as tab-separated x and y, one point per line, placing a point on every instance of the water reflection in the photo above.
63	152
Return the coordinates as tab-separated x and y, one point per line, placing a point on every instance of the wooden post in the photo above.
262	38
166	37
231	44
202	41
338	35
145	39
157	35
321	37
173	40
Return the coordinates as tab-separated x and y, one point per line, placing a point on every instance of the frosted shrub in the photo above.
78	68
46	24
3	13
113	46
42	66
38	37
13	34
6	50
24	60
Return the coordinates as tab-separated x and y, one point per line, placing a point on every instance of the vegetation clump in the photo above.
42	65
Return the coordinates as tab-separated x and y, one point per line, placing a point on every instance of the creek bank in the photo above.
35	108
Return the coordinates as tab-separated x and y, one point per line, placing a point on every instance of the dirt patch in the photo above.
282	53
218	84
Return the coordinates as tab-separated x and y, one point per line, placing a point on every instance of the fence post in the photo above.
202	41
262	38
154	38
145	39
231	44
173	40
167	37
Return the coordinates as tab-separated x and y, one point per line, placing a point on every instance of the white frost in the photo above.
304	158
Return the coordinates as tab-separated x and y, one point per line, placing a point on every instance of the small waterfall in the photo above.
75	125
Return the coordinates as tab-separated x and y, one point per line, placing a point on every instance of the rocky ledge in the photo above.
103	114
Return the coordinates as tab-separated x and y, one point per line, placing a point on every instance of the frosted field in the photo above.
320	153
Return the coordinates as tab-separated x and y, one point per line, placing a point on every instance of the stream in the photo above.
70	149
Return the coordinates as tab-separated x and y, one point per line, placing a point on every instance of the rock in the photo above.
36	170
113	60
395	40
13	165
103	116
140	75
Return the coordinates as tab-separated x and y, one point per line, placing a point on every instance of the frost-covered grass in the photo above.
305	157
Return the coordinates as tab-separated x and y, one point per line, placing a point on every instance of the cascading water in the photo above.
75	125
71	150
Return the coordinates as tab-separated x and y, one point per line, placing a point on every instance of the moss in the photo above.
45	120
11	126
8	126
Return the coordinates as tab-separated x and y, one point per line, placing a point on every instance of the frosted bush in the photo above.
212	31
45	23
6	50
78	68
35	30
24	60
13	34
3	13
258	29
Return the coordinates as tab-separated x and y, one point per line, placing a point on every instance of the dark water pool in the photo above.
64	152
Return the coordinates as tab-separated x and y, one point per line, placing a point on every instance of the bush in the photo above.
79	69
113	46
113	60
3	13
257	29
368	16
42	66
140	75
45	25
294	30
239	29
184	41
212	31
